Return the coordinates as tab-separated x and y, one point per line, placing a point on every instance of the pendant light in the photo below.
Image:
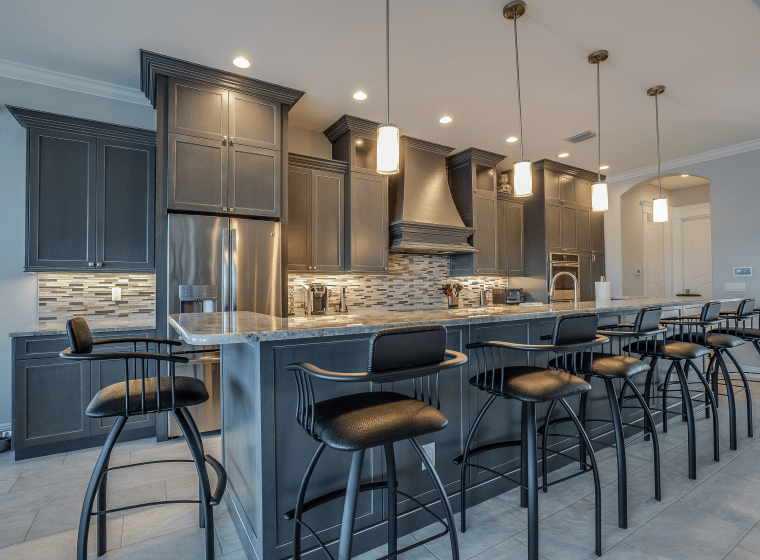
660	204
599	194
523	178
388	135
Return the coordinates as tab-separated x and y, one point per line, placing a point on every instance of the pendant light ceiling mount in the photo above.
598	56
514	9
656	90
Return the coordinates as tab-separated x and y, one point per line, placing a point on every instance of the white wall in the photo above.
308	143
18	290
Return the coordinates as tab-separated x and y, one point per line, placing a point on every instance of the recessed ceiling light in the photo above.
684	175
604	167
512	139
563	155
360	96
445	120
241	62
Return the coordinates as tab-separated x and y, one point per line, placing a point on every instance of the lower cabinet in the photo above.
51	394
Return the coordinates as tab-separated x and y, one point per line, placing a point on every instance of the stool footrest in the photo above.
330	496
151	463
489	447
221	480
146	504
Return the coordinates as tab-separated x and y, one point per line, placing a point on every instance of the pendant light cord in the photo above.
387	61
517	66
599	124
657	123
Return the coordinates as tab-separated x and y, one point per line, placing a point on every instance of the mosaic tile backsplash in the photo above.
63	296
412	282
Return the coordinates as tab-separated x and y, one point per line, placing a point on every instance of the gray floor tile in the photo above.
159	521
227	535
15	528
46	496
60	546
683	533
745	466
730	498
7	482
645	449
741	554
624	551
488	524
9	466
185	544
419	553
61	518
508	549
751	540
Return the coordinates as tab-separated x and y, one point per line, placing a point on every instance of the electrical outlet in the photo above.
115	294
735	287
429	449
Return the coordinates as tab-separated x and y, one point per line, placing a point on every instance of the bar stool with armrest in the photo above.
139	396
574	336
362	421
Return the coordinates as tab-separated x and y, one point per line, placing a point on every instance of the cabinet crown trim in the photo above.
154	64
29	118
474	155
557	167
348	122
313	162
425	146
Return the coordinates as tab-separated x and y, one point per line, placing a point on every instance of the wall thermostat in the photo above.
742	271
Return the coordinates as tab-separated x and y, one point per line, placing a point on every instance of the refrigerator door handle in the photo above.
225	272
233	269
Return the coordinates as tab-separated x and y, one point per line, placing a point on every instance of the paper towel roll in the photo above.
602	290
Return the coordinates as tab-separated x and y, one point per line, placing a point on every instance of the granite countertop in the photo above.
97	325
246	326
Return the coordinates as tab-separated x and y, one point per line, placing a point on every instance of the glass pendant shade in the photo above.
660	209
523	179
599	197
388	149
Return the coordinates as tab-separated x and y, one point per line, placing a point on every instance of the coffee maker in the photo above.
316	298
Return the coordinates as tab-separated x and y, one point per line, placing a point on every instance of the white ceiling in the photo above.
675	182
453	57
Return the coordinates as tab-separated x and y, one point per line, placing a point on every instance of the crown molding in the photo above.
425	146
350	123
313	162
70	82
688	160
474	155
558	167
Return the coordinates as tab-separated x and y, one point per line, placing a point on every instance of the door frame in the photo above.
646	208
677	217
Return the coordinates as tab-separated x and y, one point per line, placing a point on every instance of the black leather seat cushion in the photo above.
740	332
366	420
605	365
715	340
671	350
110	401
531	384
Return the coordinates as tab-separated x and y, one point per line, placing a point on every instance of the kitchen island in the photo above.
266	453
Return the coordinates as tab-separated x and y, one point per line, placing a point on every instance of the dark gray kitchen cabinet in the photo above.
485	236
586	284
105	373
597	232
567	190
366	214
315	214
224	151
569	228
510	218
583	228
551	187
583	189
553	226
90	195
597	267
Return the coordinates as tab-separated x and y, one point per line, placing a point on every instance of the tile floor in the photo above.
712	518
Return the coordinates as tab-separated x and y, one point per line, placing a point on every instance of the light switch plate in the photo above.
429	449
115	294
735	287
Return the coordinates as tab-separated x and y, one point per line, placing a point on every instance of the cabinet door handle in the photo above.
225	139
232	209
90	264
224	208
99	264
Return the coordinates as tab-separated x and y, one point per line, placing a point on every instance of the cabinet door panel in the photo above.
299	218
584	193
502	246
109	372
50	397
567	189
197	110
254	121
126	205
597	231
515	238
197	174
327	212
254	188
553	226
369	223
484	238
585	278
62	200
569	228
551	188
584	229
597	268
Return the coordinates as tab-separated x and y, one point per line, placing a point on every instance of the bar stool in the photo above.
573	335
610	367
694	328
362	421
676	352
139	396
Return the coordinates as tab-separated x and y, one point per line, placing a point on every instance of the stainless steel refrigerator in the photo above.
219	264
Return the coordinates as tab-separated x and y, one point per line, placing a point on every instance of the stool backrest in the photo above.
710	311
647	319
746	307
575	328
407	347
80	336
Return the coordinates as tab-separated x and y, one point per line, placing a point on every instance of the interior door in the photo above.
255	266
697	256
654	258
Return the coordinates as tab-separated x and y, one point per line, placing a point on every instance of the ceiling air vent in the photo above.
582	137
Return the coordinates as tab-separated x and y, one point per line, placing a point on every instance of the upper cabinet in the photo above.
511	243
90	195
224	151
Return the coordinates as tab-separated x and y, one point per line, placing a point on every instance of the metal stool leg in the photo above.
531	463
648	391
390	464
524	459
300	499
582	453
463	481
731	399
687	404
197	436
102	534
544	445
665	396
712	405
92	487
750	432
441	495
649	427
617	422
349	506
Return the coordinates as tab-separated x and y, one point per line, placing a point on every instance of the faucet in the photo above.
575	286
